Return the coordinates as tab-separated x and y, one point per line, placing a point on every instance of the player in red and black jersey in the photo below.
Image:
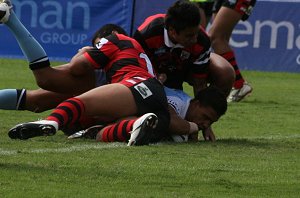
174	60
122	59
132	91
179	49
129	94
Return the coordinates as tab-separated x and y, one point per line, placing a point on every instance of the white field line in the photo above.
82	147
273	137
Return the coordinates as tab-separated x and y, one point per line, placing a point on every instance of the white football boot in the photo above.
237	95
5	7
142	130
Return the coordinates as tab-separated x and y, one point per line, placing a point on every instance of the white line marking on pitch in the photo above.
81	147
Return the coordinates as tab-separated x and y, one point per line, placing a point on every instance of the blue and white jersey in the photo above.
180	102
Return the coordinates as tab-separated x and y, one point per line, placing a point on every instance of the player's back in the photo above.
121	57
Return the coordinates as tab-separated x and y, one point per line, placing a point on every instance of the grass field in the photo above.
257	153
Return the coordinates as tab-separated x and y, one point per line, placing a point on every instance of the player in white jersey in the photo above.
179	101
205	109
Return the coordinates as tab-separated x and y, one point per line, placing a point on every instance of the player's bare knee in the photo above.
227	78
43	82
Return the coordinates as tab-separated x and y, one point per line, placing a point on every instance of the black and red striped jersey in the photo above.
121	57
176	61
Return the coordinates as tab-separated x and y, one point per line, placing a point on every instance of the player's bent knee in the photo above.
222	73
43	83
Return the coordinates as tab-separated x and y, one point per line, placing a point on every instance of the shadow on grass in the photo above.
238	142
262	143
269	102
266	102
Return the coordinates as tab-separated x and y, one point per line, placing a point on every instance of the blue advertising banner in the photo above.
62	27
270	39
143	9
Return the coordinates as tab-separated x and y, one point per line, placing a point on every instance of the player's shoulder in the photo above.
153	25
153	21
122	41
176	93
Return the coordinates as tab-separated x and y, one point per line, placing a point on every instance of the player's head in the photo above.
182	22
106	30
213	97
207	107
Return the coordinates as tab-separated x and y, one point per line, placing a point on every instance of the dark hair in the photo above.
213	97
107	30
181	15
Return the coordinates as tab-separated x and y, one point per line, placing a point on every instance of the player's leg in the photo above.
41	100
109	102
147	128
30	47
223	24
221	73
220	33
12	99
151	99
68	80
32	100
135	131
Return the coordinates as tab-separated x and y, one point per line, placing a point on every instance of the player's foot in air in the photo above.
28	130
143	129
237	95
5	7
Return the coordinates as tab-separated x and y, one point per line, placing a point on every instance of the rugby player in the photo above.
226	15
47	77
205	109
132	90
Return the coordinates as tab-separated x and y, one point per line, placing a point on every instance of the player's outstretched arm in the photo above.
179	126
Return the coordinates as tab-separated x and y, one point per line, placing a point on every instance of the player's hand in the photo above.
84	49
208	134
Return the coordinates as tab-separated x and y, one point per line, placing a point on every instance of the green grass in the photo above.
257	153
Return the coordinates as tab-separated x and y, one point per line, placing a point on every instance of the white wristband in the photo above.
193	127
